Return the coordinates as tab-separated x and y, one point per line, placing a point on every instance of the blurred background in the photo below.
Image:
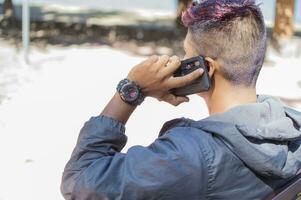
60	61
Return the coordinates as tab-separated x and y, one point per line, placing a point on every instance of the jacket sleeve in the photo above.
97	169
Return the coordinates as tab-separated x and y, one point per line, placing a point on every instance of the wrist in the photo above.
117	109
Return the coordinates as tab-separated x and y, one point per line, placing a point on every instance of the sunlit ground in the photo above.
46	103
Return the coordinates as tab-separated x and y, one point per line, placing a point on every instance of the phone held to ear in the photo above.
202	84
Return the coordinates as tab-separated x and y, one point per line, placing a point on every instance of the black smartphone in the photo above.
202	84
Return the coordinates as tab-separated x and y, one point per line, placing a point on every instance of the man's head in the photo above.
231	32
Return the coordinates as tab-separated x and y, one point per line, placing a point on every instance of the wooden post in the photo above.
26	29
182	5
284	20
8	9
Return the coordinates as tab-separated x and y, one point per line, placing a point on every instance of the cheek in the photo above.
189	55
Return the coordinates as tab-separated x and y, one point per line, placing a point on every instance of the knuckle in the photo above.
171	102
151	60
194	76
177	59
176	103
197	73
171	99
154	57
165	57
167	101
174	58
162	98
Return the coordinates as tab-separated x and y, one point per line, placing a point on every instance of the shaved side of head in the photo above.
231	31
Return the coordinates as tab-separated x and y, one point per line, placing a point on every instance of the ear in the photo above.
213	65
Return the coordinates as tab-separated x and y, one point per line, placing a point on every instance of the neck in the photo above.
226	96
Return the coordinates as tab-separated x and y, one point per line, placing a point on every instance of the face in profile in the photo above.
190	51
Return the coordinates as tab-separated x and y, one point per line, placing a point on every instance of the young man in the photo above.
247	147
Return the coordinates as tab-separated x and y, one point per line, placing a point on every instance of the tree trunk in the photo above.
182	5
8	9
9	14
284	20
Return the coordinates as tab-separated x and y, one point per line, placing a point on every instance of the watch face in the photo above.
130	93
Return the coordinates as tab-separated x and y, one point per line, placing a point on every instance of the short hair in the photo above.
231	31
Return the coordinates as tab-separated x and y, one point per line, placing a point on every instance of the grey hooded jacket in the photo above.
244	153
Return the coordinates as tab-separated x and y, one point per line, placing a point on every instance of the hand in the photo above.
155	77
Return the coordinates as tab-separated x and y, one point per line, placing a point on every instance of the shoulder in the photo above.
192	139
188	135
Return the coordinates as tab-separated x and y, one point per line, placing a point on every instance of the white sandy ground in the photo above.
60	90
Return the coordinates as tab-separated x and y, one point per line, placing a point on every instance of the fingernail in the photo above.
201	71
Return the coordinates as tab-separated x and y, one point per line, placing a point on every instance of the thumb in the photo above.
174	100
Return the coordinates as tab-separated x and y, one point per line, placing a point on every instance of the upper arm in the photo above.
170	168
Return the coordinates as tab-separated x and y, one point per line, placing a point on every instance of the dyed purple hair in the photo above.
217	10
232	31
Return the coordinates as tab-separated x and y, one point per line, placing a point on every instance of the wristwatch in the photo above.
130	92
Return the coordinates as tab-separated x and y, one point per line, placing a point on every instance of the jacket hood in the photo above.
265	135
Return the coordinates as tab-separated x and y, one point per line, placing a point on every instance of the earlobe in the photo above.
212	66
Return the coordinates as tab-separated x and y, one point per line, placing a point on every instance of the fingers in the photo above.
162	61
150	61
177	82
166	63
172	66
174	100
